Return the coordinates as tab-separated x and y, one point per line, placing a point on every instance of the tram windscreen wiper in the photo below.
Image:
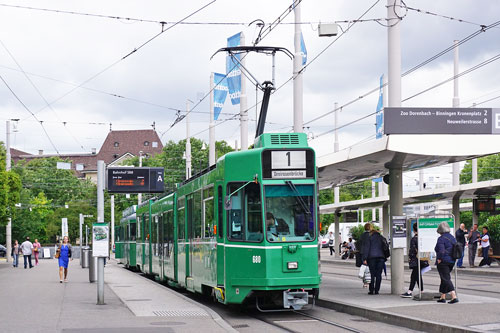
298	197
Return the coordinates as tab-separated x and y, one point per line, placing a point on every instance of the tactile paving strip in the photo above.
180	313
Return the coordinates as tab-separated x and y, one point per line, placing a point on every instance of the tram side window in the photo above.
154	236
138	228
133	231
168	233
220	210
197	214
208	212
245	215
181	219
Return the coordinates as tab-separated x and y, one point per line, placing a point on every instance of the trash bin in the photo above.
92	267
84	260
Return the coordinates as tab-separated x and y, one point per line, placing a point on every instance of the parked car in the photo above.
324	241
3	251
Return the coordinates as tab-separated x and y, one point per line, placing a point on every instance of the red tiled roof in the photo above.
130	141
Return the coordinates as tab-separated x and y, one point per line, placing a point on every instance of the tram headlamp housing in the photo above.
293	265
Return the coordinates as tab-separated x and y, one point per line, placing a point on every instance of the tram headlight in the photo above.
293	265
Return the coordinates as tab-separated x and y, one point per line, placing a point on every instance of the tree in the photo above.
487	169
10	187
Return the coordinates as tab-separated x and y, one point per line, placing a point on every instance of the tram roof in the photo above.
408	152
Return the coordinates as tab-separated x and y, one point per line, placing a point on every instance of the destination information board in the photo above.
135	180
410	120
288	164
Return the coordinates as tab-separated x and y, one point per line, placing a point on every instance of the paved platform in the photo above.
33	300
478	292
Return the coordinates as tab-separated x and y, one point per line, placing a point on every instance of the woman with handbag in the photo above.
63	254
36	250
413	263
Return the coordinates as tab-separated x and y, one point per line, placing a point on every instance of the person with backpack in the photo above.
374	257
446	253
416	273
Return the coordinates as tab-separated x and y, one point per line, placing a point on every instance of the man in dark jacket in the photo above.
445	262
373	256
460	237
473	240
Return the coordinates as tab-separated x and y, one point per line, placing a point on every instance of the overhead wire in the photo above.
409	71
130	53
39	92
32	114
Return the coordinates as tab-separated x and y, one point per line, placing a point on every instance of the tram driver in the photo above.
271	223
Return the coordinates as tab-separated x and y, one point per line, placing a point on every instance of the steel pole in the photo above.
188	144
211	126
100	218
243	102
81	239
139	195
8	228
395	171
112	221
297	76
336	198
456	104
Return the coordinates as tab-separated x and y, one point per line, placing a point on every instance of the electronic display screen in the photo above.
135	180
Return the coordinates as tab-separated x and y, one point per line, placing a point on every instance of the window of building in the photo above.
116	144
146	143
155	144
79	167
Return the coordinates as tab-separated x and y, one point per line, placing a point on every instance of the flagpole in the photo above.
243	102
297	75
211	126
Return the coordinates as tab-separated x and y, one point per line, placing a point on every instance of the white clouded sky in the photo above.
59	51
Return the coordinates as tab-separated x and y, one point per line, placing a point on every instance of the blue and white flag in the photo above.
379	127
220	93
233	71
303	50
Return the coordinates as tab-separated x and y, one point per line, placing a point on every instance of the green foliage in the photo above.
10	187
487	169
493	224
356	233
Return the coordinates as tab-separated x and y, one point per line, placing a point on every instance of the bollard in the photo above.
92	267
84	260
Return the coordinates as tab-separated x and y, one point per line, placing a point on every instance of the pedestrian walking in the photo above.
63	254
460	237
473	239
36	250
445	262
373	256
27	249
331	241
416	273
485	245
15	254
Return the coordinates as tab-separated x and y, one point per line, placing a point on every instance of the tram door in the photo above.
220	235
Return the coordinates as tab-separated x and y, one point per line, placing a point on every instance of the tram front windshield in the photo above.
289	212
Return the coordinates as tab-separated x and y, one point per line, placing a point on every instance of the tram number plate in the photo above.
256	259
288	159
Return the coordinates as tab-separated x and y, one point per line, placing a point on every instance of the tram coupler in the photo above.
295	299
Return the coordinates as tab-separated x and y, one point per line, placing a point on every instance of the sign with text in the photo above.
100	239
427	232
399	231
288	164
135	180
441	120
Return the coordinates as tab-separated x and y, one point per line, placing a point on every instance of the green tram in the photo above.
125	238
244	230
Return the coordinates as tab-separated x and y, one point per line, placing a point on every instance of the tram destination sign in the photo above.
135	180
288	164
441	121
